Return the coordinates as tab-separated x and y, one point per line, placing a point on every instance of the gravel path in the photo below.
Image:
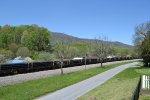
74	91
7	80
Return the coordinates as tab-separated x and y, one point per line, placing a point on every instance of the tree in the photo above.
72	52
24	37
112	51
60	51
122	51
13	48
6	36
142	41
101	48
36	38
32	36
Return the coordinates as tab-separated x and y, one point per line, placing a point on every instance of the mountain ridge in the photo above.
58	37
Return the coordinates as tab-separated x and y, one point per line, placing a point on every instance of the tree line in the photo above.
36	41
32	36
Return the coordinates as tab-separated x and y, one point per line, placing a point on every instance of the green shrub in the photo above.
23	52
5	55
45	56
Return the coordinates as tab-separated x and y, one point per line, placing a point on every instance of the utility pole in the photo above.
61	64
85	61
85	58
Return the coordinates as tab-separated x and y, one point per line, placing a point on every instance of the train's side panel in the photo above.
7	69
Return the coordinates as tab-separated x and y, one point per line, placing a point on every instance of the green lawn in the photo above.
32	89
120	87
144	98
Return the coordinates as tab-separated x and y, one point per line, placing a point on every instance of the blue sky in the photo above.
115	19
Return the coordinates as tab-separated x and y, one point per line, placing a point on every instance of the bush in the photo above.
45	56
34	54
23	52
5	55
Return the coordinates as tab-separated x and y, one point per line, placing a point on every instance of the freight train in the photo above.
26	67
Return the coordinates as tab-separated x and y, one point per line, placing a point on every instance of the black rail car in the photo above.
36	66
8	69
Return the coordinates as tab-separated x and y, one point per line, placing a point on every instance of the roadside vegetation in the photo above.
35	88
120	87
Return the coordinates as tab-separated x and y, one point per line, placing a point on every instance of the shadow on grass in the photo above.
142	67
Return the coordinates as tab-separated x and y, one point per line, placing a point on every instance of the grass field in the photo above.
32	89
120	87
144	98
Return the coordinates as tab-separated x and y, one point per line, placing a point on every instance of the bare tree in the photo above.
61	60
85	59
60	50
101	48
64	51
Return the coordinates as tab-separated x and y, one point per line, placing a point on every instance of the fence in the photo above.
135	95
143	85
145	82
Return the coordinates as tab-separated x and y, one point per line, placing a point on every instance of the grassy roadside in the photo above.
32	89
120	87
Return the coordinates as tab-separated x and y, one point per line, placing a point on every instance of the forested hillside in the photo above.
33	37
41	44
57	36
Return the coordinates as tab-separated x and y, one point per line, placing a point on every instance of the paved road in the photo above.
74	91
7	80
